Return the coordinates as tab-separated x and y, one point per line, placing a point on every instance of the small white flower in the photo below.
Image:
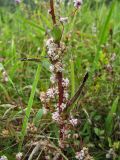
65	82
55	57
64	19
59	51
58	67
80	155
51	93
49	41
51	53
42	96
113	57
47	100
19	156
3	158
66	95
53	78
63	106
56	116
108	156
52	68
56	90
111	153
73	121
52	47
47	157
5	76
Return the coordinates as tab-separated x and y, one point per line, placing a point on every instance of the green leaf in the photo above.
30	103
102	37
97	131
109	120
56	33
38	117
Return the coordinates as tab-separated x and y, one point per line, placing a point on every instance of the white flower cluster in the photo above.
50	94
82	154
58	67
63	106
3	157
19	156
55	51
110	154
78	3
65	82
52	68
74	121
43	97
56	116
66	95
53	78
64	19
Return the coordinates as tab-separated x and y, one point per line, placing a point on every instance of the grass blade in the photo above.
30	103
72	78
103	36
109	120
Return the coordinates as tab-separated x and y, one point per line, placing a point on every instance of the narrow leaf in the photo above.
109	120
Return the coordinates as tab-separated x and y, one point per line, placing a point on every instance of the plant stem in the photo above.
52	12
59	78
77	94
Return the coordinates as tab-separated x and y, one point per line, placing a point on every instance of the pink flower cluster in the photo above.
83	154
78	3
50	98
55	53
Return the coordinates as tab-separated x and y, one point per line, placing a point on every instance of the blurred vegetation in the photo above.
92	38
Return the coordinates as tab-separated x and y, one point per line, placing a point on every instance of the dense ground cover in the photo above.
92	39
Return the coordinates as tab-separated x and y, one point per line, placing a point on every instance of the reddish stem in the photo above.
60	89
61	92
59	78
52	12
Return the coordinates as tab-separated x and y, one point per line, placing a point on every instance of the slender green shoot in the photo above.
72	78
30	103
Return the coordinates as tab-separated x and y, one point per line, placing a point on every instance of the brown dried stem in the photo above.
77	94
52	12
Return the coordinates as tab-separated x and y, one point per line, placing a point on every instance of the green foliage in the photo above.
103	35
109	122
22	35
56	33
30	102
38	117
